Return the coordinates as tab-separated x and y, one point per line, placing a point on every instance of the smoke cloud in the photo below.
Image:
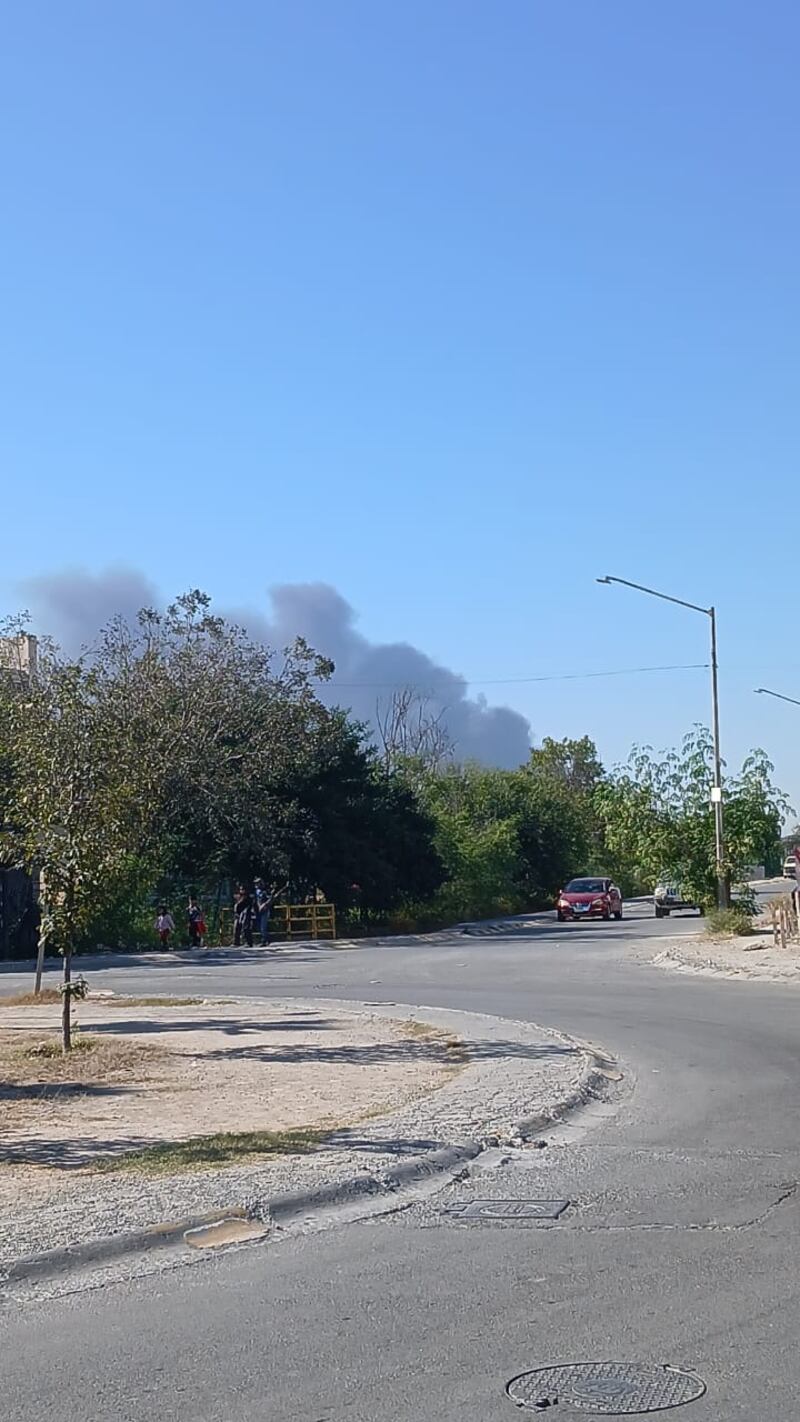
73	605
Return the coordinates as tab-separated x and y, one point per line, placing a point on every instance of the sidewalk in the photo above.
372	1088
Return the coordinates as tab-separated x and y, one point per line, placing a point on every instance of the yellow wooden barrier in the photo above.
288	921
304	921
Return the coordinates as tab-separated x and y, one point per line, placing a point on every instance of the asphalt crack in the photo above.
710	1226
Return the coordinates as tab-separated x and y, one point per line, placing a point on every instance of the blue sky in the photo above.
456	305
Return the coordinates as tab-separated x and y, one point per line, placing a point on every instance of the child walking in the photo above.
165	925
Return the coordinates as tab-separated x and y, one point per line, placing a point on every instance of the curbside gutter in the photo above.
290	1208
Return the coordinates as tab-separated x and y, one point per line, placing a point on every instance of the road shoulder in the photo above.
750	959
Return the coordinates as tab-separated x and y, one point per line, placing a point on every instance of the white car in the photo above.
668	896
790	867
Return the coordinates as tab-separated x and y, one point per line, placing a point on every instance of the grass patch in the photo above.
156	1001
103	1060
49	996
420	1030
442	1042
202	1152
729	923
51	1047
45	998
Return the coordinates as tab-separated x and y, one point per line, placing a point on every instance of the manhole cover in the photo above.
507	1209
611	1388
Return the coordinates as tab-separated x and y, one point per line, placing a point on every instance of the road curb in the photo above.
31	1267
595	1084
279	1209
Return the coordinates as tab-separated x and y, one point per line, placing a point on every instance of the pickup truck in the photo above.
669	896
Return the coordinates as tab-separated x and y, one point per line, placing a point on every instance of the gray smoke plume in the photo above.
368	672
73	605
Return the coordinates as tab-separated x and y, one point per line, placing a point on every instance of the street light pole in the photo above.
716	793
716	789
765	691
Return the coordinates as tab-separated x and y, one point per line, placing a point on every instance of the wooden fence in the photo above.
785	915
288	921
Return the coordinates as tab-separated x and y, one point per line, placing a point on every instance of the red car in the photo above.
589	898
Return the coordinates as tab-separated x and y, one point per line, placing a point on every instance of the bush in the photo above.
729	923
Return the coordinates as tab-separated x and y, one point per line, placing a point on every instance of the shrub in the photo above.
729	922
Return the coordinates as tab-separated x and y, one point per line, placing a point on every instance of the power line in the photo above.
517	680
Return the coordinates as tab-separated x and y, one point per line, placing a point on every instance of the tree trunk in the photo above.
66	1005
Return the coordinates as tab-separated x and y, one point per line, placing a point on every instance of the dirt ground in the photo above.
753	957
156	1074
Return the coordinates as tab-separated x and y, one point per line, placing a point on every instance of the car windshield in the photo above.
585	886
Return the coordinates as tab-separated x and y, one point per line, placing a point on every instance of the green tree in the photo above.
657	817
350	823
240	769
508	839
567	774
571	764
66	810
476	838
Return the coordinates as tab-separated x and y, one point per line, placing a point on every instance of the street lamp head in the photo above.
779	695
602	580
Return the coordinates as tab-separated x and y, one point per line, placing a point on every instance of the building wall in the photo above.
18	656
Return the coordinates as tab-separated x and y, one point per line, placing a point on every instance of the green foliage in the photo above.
508	839
68	813
567	774
181	755
657	817
475	838
574	765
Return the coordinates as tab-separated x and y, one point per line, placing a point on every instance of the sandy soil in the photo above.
165	1073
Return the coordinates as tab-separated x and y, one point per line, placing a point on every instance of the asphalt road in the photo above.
680	1245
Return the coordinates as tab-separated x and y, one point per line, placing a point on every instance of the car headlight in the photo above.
599	903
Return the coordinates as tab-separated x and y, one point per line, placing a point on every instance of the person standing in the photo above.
242	918
195	919
265	901
165	925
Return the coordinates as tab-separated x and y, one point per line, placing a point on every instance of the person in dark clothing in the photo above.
195	919
242	918
265	901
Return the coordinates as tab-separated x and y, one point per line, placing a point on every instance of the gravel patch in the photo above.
743	959
514	1072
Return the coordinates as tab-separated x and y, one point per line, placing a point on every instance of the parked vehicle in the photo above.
790	867
669	896
589	898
